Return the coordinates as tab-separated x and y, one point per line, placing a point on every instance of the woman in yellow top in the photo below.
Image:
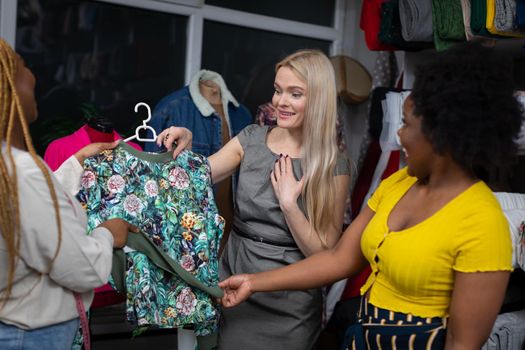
433	232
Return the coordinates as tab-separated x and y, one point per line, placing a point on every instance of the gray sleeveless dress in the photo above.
261	241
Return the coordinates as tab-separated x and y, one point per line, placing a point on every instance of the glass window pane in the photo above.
246	59
110	56
310	11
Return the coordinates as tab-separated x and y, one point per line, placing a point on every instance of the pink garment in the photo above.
61	149
57	152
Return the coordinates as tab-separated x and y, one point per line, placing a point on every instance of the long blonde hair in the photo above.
319	136
11	112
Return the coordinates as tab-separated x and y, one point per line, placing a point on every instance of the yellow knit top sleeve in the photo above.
413	269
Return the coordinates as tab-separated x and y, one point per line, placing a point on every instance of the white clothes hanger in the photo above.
144	126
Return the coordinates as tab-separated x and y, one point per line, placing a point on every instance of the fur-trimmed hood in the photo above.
201	103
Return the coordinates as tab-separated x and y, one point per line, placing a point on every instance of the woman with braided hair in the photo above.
45	255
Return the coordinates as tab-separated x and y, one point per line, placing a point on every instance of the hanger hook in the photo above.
144	122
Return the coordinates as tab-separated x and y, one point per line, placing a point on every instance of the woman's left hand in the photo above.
287	189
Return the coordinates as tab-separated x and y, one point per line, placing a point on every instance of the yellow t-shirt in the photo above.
413	269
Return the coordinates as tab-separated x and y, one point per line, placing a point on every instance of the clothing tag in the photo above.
127	249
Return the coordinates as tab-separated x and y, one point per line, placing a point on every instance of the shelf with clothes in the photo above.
412	25
420	28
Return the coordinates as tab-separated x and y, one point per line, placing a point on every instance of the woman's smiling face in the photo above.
289	98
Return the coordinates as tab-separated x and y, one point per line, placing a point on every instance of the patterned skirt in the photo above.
384	329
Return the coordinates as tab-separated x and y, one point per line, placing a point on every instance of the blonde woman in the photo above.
289	202
45	254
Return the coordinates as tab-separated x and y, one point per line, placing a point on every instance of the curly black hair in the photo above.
466	99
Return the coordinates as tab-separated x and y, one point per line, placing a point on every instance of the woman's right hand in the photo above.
175	134
119	229
236	288
93	149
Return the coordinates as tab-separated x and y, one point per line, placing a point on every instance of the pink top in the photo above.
61	149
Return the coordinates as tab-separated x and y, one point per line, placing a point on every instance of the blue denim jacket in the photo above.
188	108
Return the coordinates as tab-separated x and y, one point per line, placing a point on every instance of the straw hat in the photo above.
352	79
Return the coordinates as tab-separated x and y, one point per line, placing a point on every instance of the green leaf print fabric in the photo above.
171	201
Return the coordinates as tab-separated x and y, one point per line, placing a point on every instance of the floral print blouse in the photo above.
172	203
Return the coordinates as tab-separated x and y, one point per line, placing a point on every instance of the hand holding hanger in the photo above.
182	137
93	149
144	126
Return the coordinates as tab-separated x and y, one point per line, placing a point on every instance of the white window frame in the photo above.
197	12
8	20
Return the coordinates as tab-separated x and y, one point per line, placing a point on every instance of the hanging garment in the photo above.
466	10
507	333
447	21
520	95
187	107
505	15
392	108
390	29
384	76
501	18
513	206
61	149
266	115
370	23
478	18
520	14
172	204
416	20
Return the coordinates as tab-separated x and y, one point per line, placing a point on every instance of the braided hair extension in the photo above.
11	111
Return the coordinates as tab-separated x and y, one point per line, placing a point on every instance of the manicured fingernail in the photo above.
286	156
